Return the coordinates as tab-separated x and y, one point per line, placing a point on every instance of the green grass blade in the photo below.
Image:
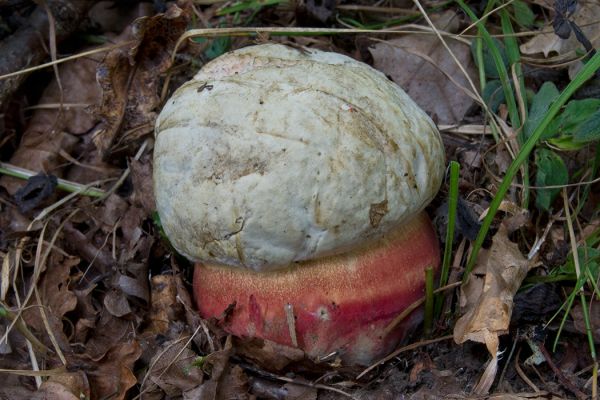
509	95
452	205
584	74
514	59
428	324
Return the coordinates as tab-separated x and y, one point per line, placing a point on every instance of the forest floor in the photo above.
94	302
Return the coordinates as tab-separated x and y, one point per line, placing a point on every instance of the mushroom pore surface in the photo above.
271	155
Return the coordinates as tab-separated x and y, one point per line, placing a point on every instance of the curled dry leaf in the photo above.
38	188
487	299
420	64
130	76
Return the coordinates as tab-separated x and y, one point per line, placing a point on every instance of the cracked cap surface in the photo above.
272	155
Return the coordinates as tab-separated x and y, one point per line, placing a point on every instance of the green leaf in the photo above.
575	113
551	170
489	62
539	106
589	130
566	143
493	95
523	14
218	47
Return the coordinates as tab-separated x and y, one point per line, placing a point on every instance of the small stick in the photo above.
291	323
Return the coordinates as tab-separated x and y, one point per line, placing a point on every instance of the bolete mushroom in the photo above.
296	180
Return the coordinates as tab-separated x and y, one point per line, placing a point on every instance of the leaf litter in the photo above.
111	307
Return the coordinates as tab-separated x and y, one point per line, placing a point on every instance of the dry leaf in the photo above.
116	303
129	77
106	332
141	177
113	375
487	299
420	64
55	297
53	130
172	368
226	382
579	322
587	17
164	306
68	386
268	354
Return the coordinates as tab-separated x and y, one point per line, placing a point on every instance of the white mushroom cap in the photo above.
272	155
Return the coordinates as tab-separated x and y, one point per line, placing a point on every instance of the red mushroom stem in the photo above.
335	304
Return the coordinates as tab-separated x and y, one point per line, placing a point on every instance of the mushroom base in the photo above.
340	304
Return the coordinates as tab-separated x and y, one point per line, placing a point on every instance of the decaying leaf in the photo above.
487	299
129	77
420	64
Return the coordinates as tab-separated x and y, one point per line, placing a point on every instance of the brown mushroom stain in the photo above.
377	212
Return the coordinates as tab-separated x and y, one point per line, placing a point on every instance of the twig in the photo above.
270	375
559	374
402	350
522	374
67	186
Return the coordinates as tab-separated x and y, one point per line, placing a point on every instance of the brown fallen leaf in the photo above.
420	64
68	386
579	322
486	299
129	77
227	381
112	376
55	297
587	17
267	354
172	368
267	389
116	303
143	186
53	130
104	333
163	303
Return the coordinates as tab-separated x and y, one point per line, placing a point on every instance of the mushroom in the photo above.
296	180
